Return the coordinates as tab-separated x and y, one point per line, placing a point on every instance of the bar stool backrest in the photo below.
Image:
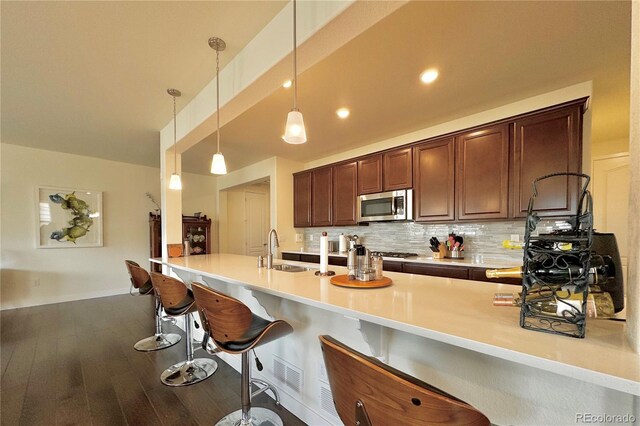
139	276
373	393
225	318
170	290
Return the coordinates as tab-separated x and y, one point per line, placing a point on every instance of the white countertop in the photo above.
456	312
471	260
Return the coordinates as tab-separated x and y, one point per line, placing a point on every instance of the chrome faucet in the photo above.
269	252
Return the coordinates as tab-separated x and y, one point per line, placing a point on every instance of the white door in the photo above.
610	190
255	224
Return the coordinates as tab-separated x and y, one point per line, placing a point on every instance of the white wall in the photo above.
73	273
199	194
234	216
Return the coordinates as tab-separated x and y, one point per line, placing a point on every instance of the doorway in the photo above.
245	220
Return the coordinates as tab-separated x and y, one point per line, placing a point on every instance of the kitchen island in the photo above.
444	331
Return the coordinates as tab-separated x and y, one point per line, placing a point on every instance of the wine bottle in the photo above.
599	305
597	274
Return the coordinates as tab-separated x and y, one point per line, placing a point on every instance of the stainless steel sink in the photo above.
291	268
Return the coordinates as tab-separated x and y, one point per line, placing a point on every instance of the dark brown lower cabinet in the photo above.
460	272
436	270
392	266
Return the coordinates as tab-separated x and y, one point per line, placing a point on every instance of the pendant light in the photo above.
175	182
218	166
294	131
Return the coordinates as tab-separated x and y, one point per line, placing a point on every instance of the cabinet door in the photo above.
459	272
370	174
482	182
391	266
433	180
345	188
310	258
397	170
543	144
321	184
302	199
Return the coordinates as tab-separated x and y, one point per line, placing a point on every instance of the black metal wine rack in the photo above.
556	266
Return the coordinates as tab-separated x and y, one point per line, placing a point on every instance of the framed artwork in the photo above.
68	218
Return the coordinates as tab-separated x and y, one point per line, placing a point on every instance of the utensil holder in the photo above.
457	254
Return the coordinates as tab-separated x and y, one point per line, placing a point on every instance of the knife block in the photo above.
442	253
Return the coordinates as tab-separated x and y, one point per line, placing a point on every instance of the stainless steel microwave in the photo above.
386	206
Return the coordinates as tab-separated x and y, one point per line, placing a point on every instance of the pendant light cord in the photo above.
218	96
175	151
295	61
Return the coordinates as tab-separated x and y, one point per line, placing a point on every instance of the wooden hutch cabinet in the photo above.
196	230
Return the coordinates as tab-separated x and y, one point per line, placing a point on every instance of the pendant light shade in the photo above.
218	166
294	131
175	182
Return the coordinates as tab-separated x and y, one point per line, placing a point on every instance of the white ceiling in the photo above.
488	53
90	78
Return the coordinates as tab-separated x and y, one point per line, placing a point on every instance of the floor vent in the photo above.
326	400
286	373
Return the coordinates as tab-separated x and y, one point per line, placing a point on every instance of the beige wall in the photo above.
633	298
32	276
199	194
609	147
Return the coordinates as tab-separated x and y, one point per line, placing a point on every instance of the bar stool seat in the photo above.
367	392
141	281
236	330
177	301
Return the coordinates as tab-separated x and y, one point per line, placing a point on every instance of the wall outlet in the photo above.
36	282
299	238
515	238
310	237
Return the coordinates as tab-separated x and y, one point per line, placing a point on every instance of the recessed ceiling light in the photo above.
429	76
287	84
343	113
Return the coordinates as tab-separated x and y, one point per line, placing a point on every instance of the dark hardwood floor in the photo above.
74	364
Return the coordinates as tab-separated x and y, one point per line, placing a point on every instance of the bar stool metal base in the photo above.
187	373
157	342
259	417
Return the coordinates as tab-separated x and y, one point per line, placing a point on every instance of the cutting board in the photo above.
344	281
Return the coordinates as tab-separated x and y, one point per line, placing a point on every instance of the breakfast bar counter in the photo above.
458	313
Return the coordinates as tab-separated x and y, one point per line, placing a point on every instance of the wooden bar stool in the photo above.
141	281
177	300
236	330
368	392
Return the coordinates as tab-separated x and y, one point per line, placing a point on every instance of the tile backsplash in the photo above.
481	238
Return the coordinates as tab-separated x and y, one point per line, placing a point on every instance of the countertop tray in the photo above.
344	281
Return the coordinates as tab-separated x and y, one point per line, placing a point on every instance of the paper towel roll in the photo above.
342	245
324	253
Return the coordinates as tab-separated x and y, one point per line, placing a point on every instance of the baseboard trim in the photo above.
64	298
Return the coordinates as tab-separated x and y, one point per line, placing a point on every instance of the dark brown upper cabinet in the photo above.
482	180
345	194
302	199
370	174
396	169
546	143
321	192
433	180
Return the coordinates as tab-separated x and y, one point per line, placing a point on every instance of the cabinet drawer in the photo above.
291	256
310	258
337	260
437	271
479	274
392	266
